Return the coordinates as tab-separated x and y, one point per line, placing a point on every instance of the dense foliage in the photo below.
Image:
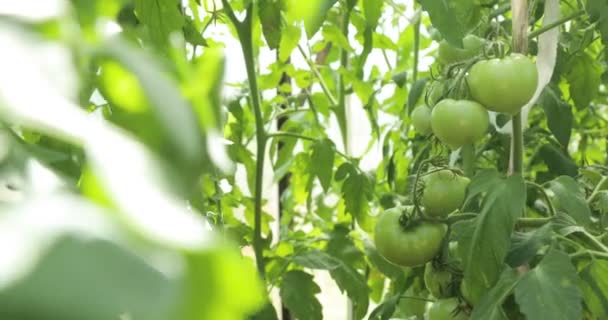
137	179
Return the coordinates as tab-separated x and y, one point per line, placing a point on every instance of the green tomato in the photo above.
421	119
443	193
437	281
449	54
503	85
409	247
459	122
445	309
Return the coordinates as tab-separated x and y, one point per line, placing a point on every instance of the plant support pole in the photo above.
520	45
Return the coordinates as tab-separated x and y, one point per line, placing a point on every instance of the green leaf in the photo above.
483	181
372	10
322	162
594	285
357	191
454	19
266	313
316	259
192	35
70	270
334	35
341	246
387	268
559	115
386	309
543	292
269	12
290	37
584	77
313	13
487	237
558	162
298	293
161	18
355	285
569	197
525	245
178	122
490	305
415	94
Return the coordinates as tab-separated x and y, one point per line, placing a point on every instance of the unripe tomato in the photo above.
459	122
503	85
437	281
445	309
409	307
421	119
449	54
409	247
443	193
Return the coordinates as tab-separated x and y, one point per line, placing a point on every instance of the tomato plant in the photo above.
503	85
247	159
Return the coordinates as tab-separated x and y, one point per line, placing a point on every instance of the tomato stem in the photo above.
556	23
545	195
467	153
532	222
244	30
517	145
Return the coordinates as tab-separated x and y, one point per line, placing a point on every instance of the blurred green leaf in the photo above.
569	197
594	286
322	162
290	37
525	245
559	115
454	18
543	291
269	12
584	77
298	293
487	237
161	18
490	306
316	259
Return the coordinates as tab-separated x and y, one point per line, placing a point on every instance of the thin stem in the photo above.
416	45
532	222
545	195
341	106
556	23
289	135
517	145
467	153
595	242
303	137
244	31
592	253
597	189
317	74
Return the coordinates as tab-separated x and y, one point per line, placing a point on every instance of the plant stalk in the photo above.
467	153
244	31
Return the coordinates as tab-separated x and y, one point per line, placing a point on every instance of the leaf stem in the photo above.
556	23
317	74
244	30
341	106
597	189
592	253
532	222
545	195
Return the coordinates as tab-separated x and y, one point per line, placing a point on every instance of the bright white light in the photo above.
34	10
